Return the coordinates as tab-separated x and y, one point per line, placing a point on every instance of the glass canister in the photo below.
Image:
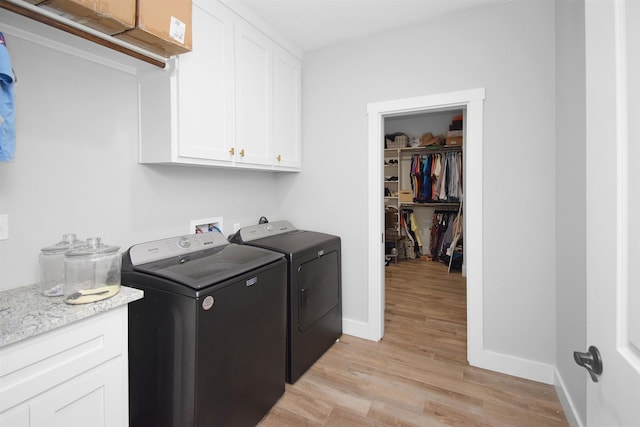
51	265
91	272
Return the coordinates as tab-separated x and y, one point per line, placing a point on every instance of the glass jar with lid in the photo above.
91	272
51	264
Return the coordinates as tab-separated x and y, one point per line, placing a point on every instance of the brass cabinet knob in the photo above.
279	158
242	152
232	151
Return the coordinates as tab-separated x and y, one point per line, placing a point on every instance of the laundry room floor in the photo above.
417	375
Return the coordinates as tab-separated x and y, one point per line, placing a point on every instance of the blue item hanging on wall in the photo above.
7	105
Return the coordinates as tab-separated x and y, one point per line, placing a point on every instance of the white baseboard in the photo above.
358	329
570	412
517	366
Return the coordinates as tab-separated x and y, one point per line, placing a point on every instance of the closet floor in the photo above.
418	374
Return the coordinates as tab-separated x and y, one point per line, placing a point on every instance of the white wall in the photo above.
76	169
571	271
507	49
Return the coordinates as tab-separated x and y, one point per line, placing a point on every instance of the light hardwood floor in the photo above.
418	374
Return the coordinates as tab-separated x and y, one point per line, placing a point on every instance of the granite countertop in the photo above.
25	312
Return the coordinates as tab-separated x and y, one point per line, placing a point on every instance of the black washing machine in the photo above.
314	278
207	341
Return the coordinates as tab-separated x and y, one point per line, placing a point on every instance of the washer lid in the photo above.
199	270
195	267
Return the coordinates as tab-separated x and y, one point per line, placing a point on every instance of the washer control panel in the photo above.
259	231
156	250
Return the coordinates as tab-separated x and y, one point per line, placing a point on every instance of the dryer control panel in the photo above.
259	231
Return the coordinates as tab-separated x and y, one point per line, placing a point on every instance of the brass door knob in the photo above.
232	151
242	153
278	158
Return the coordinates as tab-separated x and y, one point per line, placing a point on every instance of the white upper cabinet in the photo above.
286	109
253	76
234	101
205	89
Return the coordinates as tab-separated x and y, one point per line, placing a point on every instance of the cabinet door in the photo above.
94	398
16	417
286	109
253	74
205	87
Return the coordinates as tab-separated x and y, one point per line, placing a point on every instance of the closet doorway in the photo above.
471	102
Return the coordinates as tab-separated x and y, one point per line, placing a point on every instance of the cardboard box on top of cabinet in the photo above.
162	27
107	16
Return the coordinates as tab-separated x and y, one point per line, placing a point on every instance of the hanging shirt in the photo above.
444	176
414	228
437	169
460	177
426	177
7	107
452	186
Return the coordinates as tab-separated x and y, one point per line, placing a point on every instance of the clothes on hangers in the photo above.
408	218
446	228
436	177
414	230
412	249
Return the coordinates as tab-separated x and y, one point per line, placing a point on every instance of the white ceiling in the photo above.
312	24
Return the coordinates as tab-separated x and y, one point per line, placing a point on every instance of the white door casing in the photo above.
473	101
613	209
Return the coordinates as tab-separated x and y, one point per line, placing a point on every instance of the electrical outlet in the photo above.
4	227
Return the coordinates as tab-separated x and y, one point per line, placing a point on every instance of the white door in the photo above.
613	209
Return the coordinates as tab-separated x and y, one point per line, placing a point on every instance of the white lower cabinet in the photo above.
91	399
76	375
234	101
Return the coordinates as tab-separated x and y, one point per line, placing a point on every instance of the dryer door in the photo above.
318	288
